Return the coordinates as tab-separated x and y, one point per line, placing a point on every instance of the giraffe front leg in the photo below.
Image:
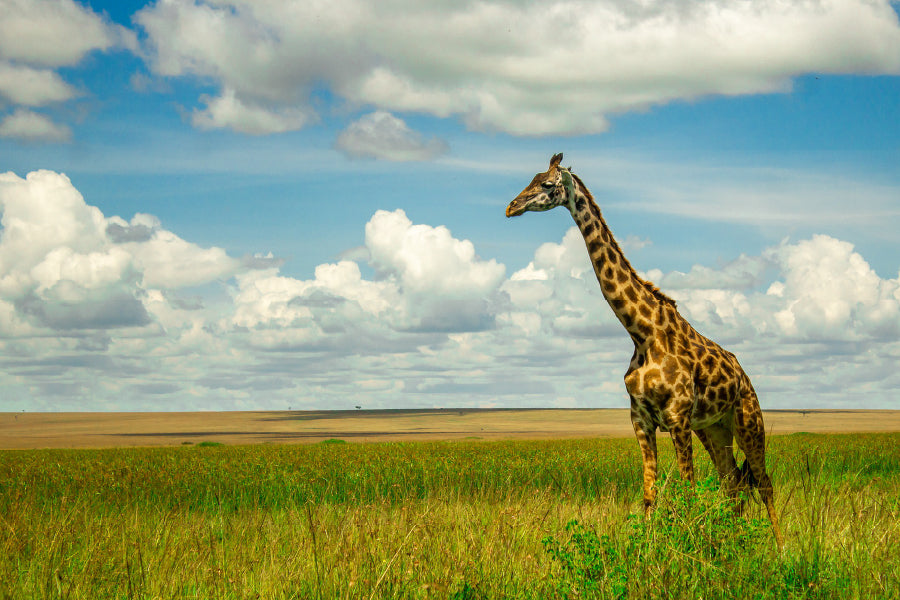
684	449
646	437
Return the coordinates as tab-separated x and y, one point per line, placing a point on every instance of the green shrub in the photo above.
693	541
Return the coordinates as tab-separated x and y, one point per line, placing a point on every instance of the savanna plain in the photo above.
461	519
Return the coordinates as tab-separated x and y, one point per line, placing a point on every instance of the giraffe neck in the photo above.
635	302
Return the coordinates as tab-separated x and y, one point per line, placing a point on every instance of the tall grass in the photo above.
443	520
273	477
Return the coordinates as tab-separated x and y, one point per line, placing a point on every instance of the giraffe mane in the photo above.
650	287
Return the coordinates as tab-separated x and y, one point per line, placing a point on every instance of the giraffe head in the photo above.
547	190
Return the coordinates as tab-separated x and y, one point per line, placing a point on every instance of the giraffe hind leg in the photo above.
751	437
746	482
718	439
746	478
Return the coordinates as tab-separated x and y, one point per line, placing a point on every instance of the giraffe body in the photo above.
678	380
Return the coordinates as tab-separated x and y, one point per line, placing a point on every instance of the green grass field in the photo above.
460	520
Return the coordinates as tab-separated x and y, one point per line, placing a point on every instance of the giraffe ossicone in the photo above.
678	380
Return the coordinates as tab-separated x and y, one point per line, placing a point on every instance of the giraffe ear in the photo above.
554	162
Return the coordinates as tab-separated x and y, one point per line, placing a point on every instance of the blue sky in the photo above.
237	205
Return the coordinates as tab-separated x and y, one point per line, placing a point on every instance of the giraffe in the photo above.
678	380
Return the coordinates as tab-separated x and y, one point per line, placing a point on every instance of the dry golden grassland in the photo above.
103	430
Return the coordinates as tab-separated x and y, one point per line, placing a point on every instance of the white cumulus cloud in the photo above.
33	87
557	293
36	37
428	282
382	135
62	269
813	307
228	111
529	69
446	286
100	312
54	33
829	291
813	290
29	126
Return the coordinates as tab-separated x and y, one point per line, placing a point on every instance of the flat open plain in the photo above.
99	430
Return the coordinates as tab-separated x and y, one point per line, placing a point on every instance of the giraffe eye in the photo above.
548	185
